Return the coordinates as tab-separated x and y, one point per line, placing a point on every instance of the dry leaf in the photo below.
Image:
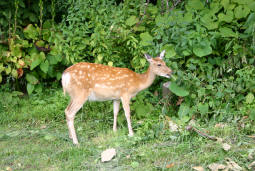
252	165
8	168
198	168
43	127
108	154
216	167
180	100
245	117
170	165
20	72
226	146
173	126
219	125
233	165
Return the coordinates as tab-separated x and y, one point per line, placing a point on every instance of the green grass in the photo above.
34	136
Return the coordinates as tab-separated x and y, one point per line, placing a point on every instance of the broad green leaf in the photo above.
8	70
183	110
249	98
31	32
252	6
31	79
203	108
14	73
40	43
146	39
227	32
153	9
209	21
35	63
25	44
228	17
212	25
30	88
2	67
59	75
1	78
188	17
131	20
202	49
194	5
53	59
37	59
241	11
170	51
186	52
44	66
16	50
225	4
139	28
177	90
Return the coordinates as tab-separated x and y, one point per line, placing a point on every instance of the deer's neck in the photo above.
146	79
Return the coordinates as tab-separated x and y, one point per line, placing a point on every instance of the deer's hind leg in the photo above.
116	108
74	106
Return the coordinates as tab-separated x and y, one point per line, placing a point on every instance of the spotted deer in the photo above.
96	82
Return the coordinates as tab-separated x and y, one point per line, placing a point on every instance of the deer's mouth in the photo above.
167	75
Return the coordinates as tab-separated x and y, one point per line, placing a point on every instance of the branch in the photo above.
191	128
175	3
167	5
144	13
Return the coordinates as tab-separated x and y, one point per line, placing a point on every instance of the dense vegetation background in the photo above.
210	45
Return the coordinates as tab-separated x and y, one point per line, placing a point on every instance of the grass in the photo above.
34	136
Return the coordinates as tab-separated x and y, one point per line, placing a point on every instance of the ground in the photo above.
34	136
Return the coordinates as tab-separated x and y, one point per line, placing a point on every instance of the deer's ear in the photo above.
162	54
148	57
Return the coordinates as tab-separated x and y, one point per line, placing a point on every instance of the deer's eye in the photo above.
159	65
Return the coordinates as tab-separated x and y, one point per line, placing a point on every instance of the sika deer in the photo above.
96	82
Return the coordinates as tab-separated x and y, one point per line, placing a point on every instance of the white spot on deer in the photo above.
88	66
88	75
80	72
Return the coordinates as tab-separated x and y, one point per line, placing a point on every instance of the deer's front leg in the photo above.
116	108
125	103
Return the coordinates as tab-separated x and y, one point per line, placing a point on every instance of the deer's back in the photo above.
100	81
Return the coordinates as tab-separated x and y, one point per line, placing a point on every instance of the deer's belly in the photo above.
103	95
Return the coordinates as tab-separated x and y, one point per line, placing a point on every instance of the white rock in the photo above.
108	154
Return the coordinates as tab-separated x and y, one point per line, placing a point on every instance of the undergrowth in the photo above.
34	136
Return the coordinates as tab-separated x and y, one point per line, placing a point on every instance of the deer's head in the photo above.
158	66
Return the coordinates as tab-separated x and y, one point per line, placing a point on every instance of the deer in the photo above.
96	82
